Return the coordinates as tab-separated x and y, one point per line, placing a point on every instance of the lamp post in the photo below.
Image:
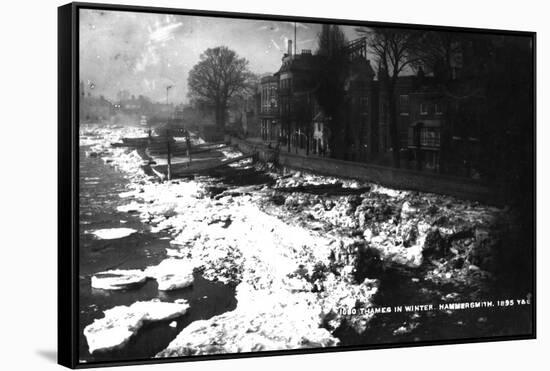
168	149
168	87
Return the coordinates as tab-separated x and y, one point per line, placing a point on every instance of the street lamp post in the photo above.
168	87
168	149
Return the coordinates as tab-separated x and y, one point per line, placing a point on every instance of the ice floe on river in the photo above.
120	323
118	279
170	274
113	233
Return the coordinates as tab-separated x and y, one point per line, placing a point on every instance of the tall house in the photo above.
270	128
361	109
297	82
427	119
405	85
434	129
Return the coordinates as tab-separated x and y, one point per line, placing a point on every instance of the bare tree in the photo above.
219	75
395	51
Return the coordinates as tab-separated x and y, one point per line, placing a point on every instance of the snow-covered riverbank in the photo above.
297	258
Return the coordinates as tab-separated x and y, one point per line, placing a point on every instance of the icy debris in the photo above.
258	240
275	309
290	323
126	194
392	249
118	279
406	328
119	324
407	210
172	274
394	193
174	253
129	208
230	153
113	233
344	294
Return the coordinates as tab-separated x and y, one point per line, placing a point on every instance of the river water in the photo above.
100	186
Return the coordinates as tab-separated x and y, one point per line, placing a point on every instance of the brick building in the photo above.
291	114
270	127
297	79
436	128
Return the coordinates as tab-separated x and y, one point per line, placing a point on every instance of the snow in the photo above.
272	325
118	279
120	323
294	265
112	233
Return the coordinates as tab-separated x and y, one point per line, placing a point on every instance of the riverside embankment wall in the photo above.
391	177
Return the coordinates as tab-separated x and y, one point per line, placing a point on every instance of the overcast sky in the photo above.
143	53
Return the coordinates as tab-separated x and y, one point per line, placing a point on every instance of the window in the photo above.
404	105
438	109
429	137
364	104
285	84
423	109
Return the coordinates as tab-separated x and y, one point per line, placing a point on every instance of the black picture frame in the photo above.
68	180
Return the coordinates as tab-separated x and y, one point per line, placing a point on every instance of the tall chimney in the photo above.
289	51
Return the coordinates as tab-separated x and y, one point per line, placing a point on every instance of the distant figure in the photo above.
188	145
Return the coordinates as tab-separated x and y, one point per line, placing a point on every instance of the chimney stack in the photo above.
289	51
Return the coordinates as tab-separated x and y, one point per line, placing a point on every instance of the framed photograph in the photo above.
236	185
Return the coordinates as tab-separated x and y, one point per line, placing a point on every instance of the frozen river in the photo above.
274	262
100	186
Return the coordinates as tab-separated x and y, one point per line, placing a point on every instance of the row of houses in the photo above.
94	108
284	112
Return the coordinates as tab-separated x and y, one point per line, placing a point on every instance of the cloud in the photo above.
164	33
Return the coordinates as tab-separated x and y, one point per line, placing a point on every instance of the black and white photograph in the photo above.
253	184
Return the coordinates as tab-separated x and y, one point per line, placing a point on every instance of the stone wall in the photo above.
395	178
